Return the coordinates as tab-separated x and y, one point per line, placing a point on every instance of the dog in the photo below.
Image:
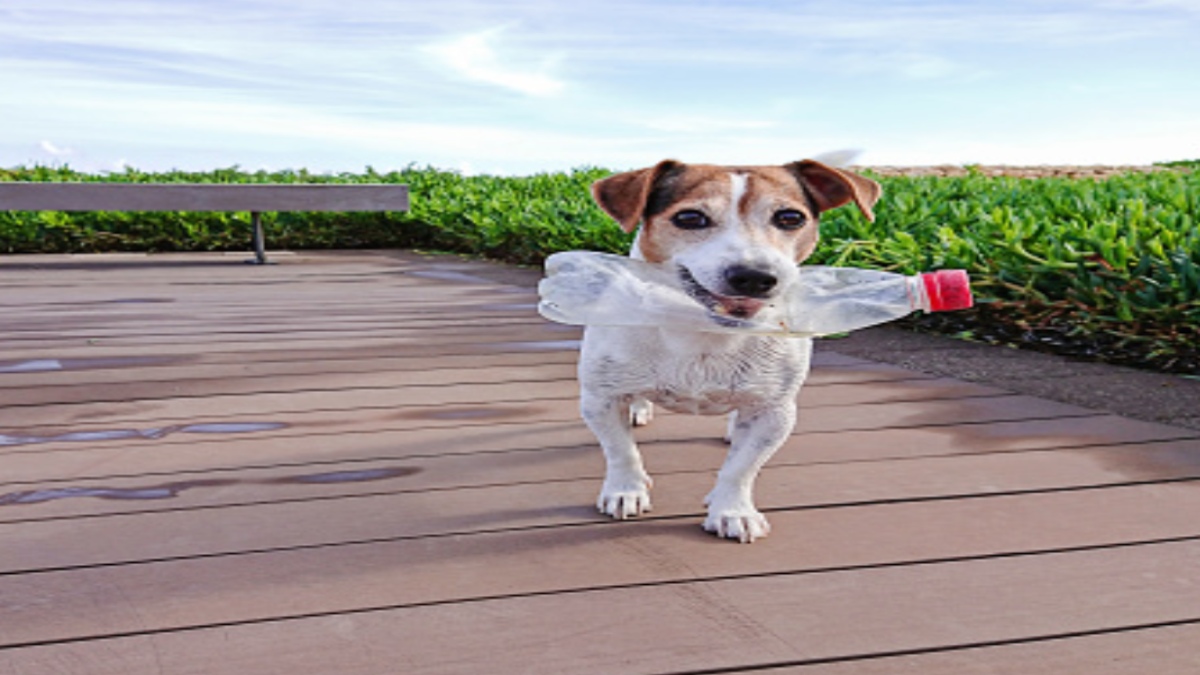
735	236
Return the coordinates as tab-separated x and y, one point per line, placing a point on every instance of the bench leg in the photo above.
260	243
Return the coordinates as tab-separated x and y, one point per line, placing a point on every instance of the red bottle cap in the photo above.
948	290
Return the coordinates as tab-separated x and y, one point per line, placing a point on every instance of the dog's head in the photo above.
735	234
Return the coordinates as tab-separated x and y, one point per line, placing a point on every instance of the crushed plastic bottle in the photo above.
588	288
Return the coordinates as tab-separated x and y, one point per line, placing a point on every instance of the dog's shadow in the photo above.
509	532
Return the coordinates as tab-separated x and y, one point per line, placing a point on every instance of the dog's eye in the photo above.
690	220
789	219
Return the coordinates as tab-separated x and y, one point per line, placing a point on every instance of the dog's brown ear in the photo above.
831	187
624	195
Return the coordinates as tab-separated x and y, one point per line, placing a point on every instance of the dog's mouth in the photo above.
725	309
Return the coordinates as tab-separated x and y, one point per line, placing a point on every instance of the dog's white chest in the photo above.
704	384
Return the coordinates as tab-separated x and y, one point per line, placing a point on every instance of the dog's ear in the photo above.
831	188
624	195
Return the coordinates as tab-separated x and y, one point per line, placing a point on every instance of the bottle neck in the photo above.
918	297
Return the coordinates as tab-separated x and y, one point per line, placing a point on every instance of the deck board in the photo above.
50	605
176	486
214	515
172	453
745	621
331	391
373	463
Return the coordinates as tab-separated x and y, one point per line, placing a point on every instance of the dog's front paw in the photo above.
625	497
737	519
745	526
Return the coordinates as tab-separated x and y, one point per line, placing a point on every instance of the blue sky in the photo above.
530	85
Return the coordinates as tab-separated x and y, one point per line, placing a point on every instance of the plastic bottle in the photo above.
587	288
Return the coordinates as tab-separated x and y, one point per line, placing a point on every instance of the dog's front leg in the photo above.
626	490
756	435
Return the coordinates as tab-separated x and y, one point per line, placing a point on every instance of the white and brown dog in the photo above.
735	236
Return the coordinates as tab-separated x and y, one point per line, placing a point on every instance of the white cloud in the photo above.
475	57
340	85
54	150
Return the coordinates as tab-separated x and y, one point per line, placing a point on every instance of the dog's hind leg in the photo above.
626	490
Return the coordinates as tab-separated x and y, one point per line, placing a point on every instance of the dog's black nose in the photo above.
750	282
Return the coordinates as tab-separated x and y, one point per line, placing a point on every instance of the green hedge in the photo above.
1107	268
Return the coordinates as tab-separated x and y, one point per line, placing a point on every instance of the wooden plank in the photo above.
380	416
1169	650
729	623
436	344
177	299
836	483
53	373
64	375
23	196
406	291
165	595
155	313
200	284
334	354
201	452
181	308
456	408
266	404
201	332
223	342
278	510
551	375
48	370
553	381
180	312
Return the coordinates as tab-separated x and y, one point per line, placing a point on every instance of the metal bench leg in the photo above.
260	244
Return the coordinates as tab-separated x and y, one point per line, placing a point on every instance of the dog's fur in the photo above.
735	236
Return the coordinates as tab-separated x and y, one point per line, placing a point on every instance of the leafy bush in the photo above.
1097	268
1101	268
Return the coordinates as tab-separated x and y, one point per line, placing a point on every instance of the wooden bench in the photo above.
254	198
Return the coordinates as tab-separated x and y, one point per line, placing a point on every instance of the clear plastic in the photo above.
587	288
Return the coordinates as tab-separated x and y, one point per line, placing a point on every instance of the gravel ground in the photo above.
1140	394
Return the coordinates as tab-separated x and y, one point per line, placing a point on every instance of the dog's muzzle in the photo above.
749	282
750	288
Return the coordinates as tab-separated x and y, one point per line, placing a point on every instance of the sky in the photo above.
525	86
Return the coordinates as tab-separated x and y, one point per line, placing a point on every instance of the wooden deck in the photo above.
372	463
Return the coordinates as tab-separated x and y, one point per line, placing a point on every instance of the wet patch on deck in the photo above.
174	489
50	365
151	433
